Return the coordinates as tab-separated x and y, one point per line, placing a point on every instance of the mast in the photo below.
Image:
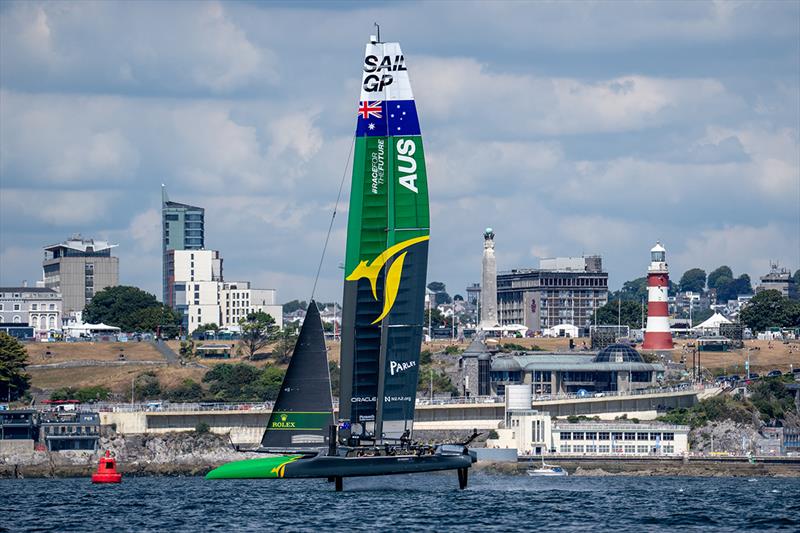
387	253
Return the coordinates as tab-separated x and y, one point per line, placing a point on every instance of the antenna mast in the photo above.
378	28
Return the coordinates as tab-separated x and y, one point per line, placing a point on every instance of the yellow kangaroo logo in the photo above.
371	272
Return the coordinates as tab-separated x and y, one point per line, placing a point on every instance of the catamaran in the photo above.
383	312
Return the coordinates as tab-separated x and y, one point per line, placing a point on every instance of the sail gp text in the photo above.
381	77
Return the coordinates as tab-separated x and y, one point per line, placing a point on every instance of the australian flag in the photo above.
388	117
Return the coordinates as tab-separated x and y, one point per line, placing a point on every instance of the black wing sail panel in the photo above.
303	411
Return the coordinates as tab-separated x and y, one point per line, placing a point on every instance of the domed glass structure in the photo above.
618	353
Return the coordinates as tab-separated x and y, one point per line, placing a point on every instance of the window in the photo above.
577	435
630	436
655	436
578	448
1	307
565	448
591	448
34	307
630	449
642	436
642	449
603	448
669	449
566	435
591	435
52	307
668	436
16	307
603	435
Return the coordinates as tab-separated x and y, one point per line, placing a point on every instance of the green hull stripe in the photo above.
263	468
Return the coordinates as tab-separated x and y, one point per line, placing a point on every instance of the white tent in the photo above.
713	322
76	330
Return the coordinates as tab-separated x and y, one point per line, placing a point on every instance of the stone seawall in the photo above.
696	467
190	454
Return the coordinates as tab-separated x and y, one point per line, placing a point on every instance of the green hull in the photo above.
322	466
262	468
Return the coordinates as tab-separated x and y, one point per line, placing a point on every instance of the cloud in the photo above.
145	229
746	249
59	208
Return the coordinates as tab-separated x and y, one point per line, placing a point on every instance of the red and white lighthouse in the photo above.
657	335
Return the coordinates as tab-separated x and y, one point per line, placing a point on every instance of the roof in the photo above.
563	362
618	353
658	247
27	289
169	204
76	242
713	321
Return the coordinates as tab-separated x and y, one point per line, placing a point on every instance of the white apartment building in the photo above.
204	298
237	299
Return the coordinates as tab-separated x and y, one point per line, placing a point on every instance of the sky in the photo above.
568	127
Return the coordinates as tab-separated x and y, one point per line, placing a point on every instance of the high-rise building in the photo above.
79	268
563	290
183	228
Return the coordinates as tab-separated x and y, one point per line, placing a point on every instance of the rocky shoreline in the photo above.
194	454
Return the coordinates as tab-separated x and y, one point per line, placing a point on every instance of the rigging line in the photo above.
333	217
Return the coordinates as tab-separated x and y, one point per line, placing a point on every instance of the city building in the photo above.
74	430
79	268
183	228
36	307
779	279
533	432
563	290
193	286
237	300
657	334
617	367
619	437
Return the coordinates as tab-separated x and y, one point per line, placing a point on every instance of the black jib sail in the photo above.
303	411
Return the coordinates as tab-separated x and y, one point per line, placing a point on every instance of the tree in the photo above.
729	288
83	395
294	305
188	391
130	309
770	309
441	381
723	271
458	298
207	327
635	290
629	313
436	286
693	280
146	386
227	381
258	330
797	277
13	360
284	348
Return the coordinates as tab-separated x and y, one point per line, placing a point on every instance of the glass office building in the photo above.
183	228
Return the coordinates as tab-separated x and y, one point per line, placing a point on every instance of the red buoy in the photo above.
107	470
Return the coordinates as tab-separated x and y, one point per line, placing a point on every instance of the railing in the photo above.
167	406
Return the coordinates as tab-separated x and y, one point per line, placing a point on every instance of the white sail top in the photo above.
385	76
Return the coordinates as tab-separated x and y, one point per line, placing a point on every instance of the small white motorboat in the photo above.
547	470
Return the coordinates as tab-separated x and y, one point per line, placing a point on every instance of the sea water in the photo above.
421	502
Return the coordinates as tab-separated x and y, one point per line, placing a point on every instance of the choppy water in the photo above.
402	503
